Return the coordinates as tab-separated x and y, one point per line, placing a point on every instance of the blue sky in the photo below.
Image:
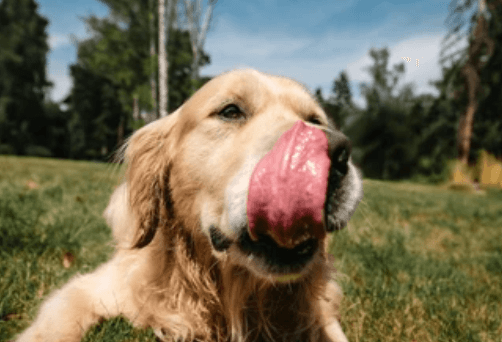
311	41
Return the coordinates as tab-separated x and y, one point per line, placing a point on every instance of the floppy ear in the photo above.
149	154
118	216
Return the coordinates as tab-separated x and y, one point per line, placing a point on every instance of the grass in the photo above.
417	262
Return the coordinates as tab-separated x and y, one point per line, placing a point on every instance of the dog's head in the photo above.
250	166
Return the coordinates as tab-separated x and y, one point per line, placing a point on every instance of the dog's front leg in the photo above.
82	302
334	333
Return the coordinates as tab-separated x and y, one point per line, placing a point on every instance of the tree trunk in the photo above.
471	72
135	108
120	132
162	62
467	119
171	4
153	83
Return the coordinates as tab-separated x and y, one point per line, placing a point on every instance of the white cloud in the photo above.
58	40
424	51
316	61
62	86
58	74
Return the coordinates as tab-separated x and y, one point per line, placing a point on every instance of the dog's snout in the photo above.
339	149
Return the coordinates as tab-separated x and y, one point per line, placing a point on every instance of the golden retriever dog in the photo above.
221	225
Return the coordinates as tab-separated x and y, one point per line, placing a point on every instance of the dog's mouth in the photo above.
296	194
285	263
272	259
279	260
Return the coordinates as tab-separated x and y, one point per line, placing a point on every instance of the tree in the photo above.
488	123
164	30
56	131
473	60
23	81
198	31
385	135
113	69
95	113
342	99
120	51
341	89
163	92
153	54
480	46
339	104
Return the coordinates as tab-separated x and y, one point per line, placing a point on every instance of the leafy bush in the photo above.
38	151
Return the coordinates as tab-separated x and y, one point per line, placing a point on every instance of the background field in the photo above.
417	262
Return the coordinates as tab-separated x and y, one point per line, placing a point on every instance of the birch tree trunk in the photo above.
169	22
162	61
153	83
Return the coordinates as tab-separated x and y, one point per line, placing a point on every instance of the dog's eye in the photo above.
231	112
314	120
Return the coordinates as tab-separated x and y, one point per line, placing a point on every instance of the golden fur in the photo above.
165	273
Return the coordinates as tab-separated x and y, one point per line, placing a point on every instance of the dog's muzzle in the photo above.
289	189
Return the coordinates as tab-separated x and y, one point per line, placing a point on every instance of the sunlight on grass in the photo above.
421	263
417	262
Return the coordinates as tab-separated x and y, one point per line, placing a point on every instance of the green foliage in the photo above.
387	135
402	136
113	68
119	54
387	142
97	114
23	41
416	262
488	118
339	106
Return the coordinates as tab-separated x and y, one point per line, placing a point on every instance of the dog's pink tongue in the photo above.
288	186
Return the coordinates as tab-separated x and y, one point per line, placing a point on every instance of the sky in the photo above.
311	41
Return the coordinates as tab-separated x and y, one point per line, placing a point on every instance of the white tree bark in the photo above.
164	26
153	83
162	61
171	4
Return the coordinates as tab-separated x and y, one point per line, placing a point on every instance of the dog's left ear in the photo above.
149	155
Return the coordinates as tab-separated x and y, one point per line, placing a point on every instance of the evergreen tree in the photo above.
23	82
339	105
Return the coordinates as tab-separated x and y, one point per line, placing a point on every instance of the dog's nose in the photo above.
339	151
287	189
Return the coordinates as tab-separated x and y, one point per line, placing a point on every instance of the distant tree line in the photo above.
112	80
399	134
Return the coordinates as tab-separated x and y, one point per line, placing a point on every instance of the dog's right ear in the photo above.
149	155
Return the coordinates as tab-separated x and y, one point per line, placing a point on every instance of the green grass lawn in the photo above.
417	262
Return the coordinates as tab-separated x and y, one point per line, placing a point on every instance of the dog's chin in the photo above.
265	258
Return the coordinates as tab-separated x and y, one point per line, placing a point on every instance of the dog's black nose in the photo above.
339	151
